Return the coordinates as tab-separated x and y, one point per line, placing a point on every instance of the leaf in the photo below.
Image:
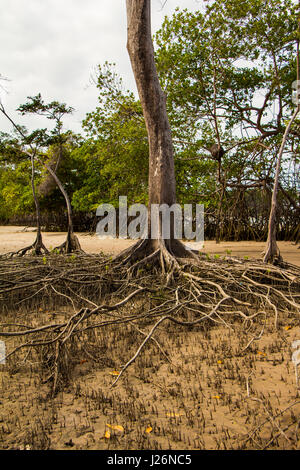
220	362
286	328
261	353
107	434
217	397
114	372
115	427
148	430
174	415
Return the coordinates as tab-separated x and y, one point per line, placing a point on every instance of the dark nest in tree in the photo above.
83	293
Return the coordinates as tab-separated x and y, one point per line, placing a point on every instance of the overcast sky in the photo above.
52	47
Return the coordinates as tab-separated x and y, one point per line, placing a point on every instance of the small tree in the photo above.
55	111
34	143
30	145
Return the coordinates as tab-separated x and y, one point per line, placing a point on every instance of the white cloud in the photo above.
52	46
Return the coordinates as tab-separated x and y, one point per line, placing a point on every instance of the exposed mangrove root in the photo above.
272	254
71	245
166	255
101	293
37	248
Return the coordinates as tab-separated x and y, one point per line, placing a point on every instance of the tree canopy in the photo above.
227	73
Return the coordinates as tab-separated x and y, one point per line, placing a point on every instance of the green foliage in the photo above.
54	111
15	173
229	54
115	154
227	71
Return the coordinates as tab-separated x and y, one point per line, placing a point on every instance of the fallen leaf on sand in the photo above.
174	415
261	353
116	427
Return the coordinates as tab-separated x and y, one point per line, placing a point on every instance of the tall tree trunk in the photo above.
72	243
36	201
153	100
162	186
38	246
272	253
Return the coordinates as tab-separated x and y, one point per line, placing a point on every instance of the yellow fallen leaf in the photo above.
174	415
217	396
287	327
114	372
261	353
115	427
107	434
148	430
220	362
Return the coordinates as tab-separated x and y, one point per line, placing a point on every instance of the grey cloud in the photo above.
52	47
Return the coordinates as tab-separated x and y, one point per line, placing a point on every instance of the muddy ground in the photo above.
201	388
